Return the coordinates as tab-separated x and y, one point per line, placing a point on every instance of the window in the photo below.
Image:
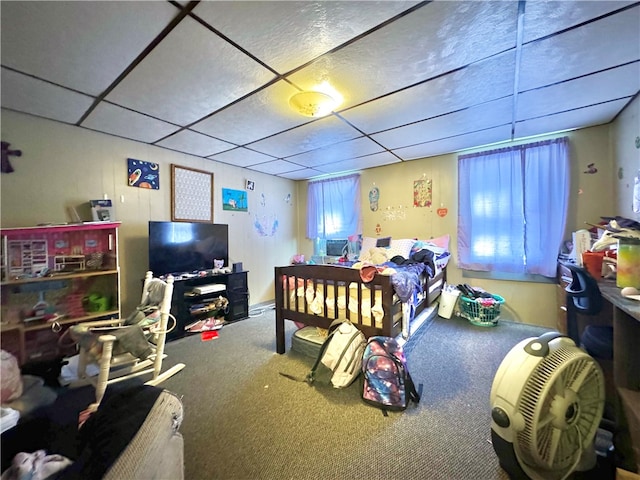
513	208
333	209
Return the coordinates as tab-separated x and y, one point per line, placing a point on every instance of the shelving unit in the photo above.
52	277
236	291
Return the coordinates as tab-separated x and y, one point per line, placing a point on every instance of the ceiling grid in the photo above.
417	79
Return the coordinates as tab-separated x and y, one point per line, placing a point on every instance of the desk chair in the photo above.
583	297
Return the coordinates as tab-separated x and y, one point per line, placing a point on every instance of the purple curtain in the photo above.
513	207
333	207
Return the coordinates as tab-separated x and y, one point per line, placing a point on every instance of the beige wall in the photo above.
624	135
65	166
533	303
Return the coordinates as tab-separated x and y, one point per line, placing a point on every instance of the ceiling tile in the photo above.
241	157
27	94
580	52
80	45
435	39
301	174
266	29
336	152
360	163
592	89
491	114
457	143
189	75
254	118
276	167
478	83
538	22
594	115
418	78
119	121
310	136
194	143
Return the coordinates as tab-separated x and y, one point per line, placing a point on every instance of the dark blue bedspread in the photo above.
406	280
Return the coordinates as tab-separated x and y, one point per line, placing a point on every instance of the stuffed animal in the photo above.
375	256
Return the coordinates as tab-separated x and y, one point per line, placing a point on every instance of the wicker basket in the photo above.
479	314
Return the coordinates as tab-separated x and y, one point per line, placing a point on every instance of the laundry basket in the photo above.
483	312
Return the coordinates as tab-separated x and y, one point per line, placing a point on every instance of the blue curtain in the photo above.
513	207
333	207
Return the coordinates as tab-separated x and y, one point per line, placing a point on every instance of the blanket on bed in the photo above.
406	280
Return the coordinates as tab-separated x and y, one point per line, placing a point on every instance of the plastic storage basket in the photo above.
481	314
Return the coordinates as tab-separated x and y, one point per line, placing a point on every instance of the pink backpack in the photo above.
387	383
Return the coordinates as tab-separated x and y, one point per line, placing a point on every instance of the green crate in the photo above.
478	314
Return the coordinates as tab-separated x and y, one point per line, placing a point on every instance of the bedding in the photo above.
379	299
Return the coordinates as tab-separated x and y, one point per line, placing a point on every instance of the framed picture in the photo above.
235	200
143	174
191	195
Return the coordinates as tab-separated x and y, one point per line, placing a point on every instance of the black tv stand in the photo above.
236	291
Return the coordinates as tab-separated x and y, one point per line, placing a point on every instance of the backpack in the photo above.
387	383
341	352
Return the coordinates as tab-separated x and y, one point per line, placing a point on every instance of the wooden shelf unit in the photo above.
43	269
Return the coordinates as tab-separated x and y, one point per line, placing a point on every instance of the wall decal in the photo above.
5	164
395	213
374	196
143	174
591	169
235	200
267	225
635	204
422	192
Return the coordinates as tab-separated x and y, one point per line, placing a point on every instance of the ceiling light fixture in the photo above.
313	103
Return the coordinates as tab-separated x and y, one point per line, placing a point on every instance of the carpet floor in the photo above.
243	420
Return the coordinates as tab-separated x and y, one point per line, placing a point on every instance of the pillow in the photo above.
367	244
442	242
437	245
401	247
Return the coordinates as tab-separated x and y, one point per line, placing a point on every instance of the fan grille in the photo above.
562	406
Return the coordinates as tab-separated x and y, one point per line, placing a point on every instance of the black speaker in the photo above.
237	267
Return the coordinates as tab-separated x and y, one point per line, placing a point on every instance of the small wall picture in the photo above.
235	200
143	174
422	190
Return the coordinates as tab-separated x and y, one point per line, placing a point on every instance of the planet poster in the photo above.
143	174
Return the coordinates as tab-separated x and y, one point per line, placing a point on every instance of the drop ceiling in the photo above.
213	79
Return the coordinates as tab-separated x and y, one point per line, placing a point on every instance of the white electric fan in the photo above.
547	400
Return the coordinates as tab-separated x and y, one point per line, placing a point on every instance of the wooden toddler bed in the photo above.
318	294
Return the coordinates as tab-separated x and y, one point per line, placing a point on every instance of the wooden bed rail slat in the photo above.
290	306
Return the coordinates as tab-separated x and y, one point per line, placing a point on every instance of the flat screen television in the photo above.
181	247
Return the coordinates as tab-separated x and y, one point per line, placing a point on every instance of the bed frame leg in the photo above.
280	340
